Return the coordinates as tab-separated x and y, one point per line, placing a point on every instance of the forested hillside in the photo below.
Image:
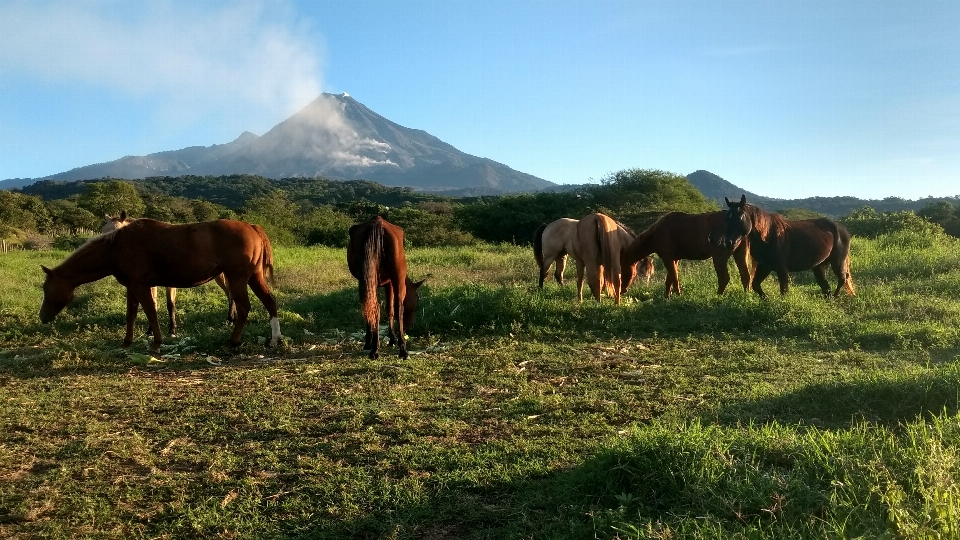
298	211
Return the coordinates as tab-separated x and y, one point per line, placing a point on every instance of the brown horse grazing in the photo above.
782	246
113	223
679	235
376	258
148	253
596	247
555	240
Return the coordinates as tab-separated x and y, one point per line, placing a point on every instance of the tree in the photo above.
24	212
112	197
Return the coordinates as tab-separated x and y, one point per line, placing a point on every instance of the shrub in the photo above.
869	223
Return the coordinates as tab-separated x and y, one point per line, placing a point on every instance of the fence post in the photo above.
4	248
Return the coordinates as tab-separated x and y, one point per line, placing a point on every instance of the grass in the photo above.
519	414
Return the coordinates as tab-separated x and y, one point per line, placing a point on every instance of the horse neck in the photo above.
638	248
88	263
763	224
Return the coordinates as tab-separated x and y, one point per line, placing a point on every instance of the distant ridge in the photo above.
335	136
716	188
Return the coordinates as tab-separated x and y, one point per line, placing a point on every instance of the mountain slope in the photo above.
335	136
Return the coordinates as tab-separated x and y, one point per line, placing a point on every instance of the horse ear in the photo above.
123	215
45	269
743	199
727	201
417	284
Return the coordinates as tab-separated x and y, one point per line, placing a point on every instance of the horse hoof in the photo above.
374	355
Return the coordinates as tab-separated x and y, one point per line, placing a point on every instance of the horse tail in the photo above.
266	261
841	243
538	245
372	250
605	241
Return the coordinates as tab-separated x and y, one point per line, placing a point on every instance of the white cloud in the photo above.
194	58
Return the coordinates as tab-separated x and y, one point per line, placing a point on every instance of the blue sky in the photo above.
786	99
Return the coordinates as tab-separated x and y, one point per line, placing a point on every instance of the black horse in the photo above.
782	246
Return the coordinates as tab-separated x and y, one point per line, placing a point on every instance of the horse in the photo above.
555	240
376	258
112	223
596	248
148	253
783	246
679	235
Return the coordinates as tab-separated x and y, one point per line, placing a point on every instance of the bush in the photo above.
868	223
69	242
37	242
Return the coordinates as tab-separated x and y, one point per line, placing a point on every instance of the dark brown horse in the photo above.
679	235
376	258
783	246
112	223
149	253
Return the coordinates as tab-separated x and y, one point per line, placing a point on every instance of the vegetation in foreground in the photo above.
519	414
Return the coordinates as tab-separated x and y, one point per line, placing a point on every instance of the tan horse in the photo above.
555	240
376	258
148	253
113	223
596	248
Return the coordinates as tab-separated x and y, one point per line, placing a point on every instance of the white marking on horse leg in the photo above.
274	331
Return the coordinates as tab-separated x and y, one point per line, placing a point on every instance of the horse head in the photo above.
642	269
410	303
738	223
57	293
112	223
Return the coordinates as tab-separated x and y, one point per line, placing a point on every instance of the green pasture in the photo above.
519	414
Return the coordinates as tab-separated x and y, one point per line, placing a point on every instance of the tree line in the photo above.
298	211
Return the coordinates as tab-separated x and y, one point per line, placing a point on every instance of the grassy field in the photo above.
519	414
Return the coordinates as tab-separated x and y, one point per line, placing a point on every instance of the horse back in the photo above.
187	255
809	242
386	252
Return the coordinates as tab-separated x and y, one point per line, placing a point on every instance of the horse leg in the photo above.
172	309
231	308
260	288
841	273
723	273
595	279
740	256
388	299
400	292
673	277
146	299
153	293
820	273
561	263
762	272
580	269
784	277
132	305
238	287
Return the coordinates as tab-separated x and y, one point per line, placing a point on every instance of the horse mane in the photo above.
624	227
766	223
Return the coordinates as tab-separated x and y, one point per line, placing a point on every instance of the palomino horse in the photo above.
596	247
554	241
679	235
376	258
782	246
148	253
113	223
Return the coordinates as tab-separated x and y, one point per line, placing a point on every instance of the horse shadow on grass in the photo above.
886	400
